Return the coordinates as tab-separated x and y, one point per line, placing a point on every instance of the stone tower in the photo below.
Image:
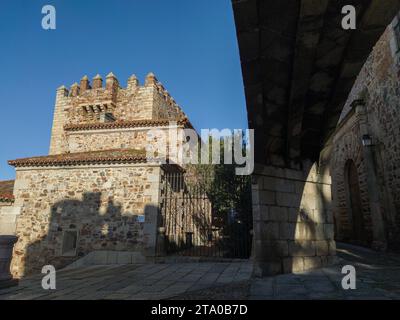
88	104
96	195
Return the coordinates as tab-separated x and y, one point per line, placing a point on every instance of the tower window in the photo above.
106	117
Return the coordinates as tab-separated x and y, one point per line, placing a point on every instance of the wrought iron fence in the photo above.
206	218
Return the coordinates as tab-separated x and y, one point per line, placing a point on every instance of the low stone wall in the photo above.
293	223
110	208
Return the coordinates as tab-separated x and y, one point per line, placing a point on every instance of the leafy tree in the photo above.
230	195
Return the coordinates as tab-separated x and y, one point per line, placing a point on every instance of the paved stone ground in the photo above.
142	281
377	274
378	277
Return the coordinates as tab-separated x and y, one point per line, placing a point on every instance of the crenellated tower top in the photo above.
91	102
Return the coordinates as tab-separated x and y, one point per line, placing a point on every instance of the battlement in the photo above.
91	102
96	97
97	83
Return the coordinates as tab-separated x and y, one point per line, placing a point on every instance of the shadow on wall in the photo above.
314	245
295	228
76	228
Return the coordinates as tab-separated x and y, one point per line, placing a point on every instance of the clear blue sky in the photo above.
190	45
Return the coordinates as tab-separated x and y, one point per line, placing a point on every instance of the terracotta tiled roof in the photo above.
125	124
82	158
6	191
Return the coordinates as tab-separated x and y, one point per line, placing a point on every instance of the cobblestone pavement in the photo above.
378	277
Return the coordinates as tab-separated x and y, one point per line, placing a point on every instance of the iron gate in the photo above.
200	220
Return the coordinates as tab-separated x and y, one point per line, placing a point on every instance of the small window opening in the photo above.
69	244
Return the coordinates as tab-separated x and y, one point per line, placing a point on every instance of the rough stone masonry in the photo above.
95	191
365	178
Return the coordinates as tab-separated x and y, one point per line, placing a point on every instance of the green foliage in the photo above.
227	191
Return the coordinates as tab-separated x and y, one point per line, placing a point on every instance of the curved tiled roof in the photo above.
124	124
83	158
6	191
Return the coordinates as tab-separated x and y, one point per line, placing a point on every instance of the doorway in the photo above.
354	204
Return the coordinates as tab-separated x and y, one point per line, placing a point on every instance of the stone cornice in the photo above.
125	124
83	158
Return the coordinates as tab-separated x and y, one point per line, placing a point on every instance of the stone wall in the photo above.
164	106
57	141
8	212
104	205
135	138
348	147
378	85
293	224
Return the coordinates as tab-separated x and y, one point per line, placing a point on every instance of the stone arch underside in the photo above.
298	67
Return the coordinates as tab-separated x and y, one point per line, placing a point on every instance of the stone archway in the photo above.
354	204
